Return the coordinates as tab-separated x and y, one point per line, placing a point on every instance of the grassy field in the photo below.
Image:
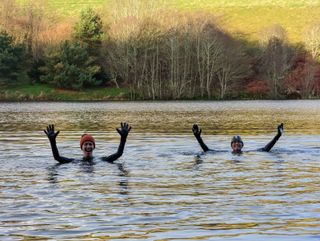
249	17
44	92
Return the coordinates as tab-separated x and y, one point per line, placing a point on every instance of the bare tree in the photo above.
7	7
140	9
161	57
308	82
34	23
272	32
312	40
24	22
277	60
175	64
210	51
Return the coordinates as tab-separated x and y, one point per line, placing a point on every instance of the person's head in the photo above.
87	145
236	144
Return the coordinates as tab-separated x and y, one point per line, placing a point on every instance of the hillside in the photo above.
248	17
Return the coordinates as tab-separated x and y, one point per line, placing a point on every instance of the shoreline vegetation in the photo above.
43	92
53	50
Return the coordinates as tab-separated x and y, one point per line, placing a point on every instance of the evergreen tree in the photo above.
70	67
11	58
89	30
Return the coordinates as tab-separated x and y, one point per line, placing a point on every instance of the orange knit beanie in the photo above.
87	137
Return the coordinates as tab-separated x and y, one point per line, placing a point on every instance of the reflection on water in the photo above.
164	187
245	117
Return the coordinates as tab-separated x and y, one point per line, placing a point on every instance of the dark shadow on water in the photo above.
122	169
86	167
53	173
123	183
197	162
235	161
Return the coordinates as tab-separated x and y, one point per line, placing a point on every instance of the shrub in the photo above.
70	67
11	58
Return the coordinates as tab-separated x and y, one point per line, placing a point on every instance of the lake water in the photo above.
163	187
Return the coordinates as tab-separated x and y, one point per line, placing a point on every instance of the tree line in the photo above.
156	54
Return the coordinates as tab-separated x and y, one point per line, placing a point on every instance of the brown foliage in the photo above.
278	59
257	88
53	35
33	24
304	78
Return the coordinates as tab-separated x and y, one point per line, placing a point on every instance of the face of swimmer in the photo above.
236	144
87	145
87	149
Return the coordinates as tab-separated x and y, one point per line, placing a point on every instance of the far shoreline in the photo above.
46	93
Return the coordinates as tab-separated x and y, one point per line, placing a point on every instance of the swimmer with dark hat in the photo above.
87	144
236	142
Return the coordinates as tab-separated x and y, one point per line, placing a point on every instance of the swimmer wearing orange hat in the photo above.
87	144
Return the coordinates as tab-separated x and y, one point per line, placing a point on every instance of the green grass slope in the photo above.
246	16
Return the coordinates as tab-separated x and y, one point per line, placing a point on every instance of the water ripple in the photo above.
163	187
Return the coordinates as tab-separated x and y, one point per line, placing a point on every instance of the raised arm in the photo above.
197	133
52	138
123	132
275	139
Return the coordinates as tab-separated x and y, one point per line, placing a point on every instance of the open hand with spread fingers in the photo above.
50	132
124	130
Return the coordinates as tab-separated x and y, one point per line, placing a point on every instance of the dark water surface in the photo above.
163	187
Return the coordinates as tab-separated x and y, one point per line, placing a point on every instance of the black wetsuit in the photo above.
110	158
123	132
268	147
